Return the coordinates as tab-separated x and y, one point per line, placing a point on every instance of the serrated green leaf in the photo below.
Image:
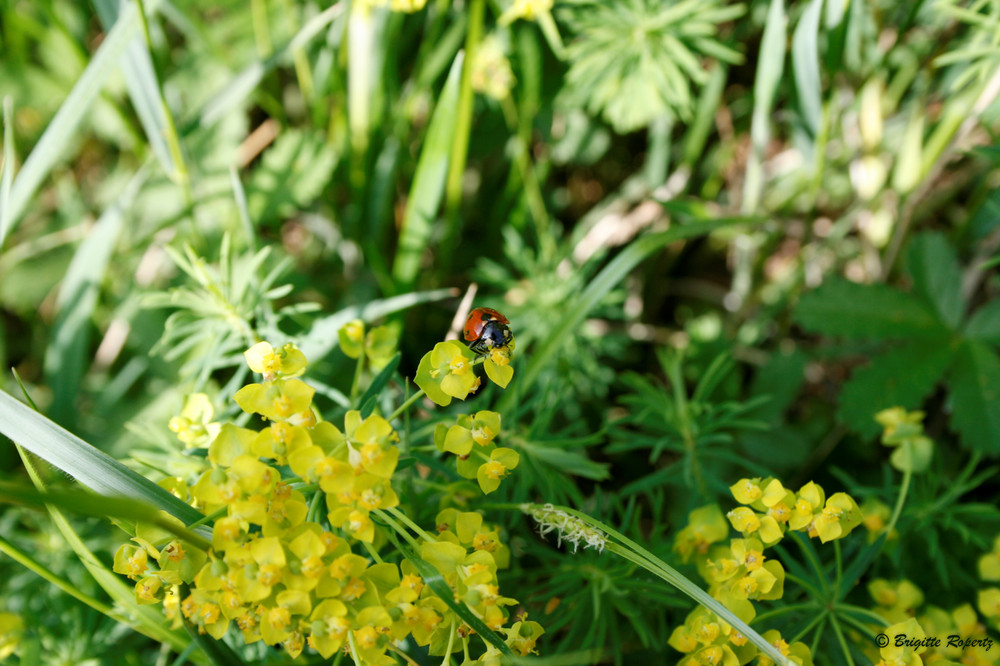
975	397
984	324
902	377
858	312
932	264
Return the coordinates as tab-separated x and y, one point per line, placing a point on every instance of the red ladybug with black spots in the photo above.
486	329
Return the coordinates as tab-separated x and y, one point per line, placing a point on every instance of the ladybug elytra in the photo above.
486	329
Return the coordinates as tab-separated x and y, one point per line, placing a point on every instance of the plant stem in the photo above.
356	382
903	490
409	523
840	639
396	527
463	120
405	406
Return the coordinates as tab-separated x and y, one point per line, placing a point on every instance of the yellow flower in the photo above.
493	471
11	632
194	425
706	525
286	361
352	338
277	400
329	627
524	9
838	518
446	372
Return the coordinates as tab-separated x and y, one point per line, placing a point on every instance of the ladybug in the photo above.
486	329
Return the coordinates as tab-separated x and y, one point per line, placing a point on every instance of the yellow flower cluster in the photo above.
935	635
772	510
282	578
471	439
739	573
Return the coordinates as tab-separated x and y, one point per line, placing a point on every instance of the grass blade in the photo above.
91	467
428	182
805	65
57	135
143	86
7	166
771	64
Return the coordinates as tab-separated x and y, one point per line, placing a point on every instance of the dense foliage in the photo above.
741	405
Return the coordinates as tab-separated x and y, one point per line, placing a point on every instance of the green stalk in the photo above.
840	639
397	528
817	567
409	523
356	382
903	490
261	28
532	189
405	406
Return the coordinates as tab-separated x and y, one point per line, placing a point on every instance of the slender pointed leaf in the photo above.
91	467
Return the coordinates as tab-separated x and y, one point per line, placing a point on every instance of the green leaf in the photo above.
291	174
805	65
937	278
984	324
7	166
143	86
770	66
902	377
368	400
975	397
859	312
91	467
67	355
89	504
73	110
428	182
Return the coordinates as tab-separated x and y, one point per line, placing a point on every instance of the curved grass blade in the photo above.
632	551
66	356
88	465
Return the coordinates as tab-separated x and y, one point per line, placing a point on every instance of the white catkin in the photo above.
568	528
